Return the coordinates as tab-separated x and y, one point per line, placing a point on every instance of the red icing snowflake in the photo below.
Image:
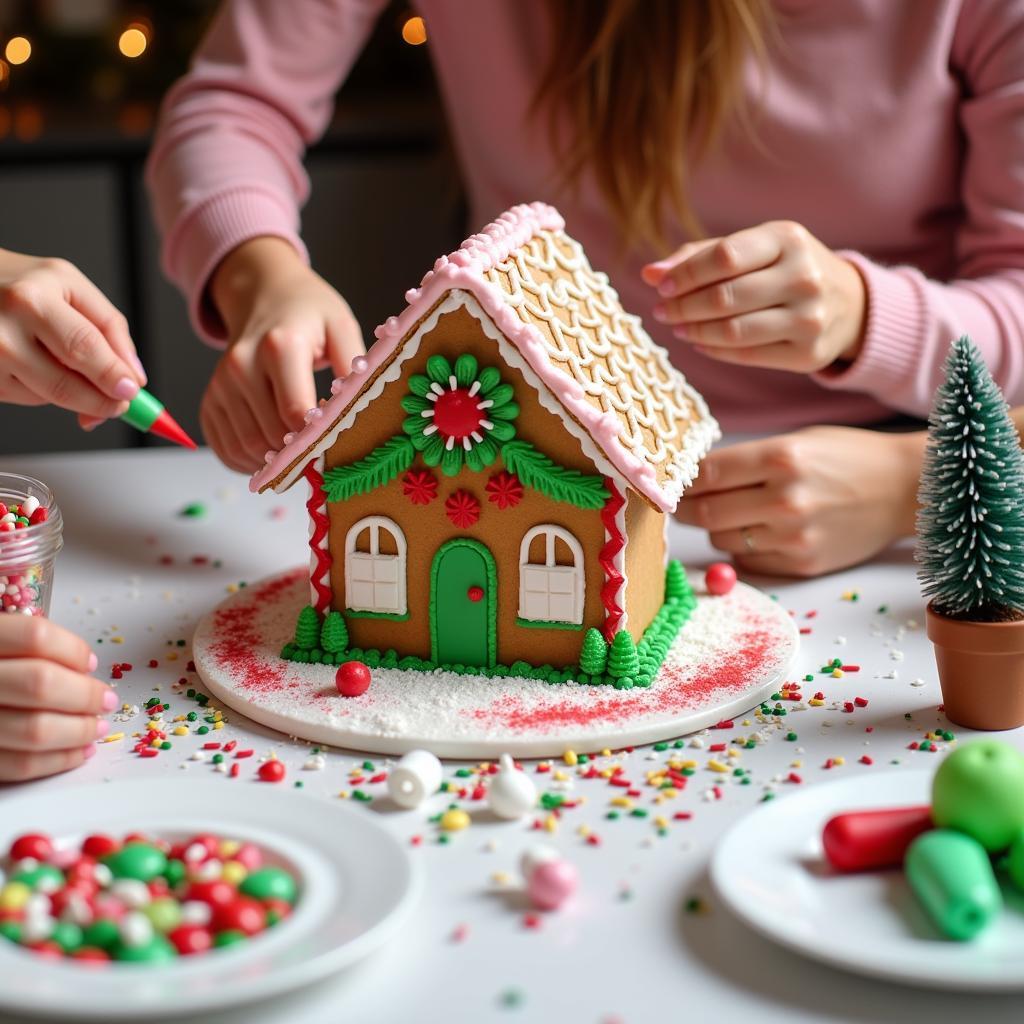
419	486
505	490
462	509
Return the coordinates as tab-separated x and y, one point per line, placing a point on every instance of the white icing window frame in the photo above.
549	592
375	582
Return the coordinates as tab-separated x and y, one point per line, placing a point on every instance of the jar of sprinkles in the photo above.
31	530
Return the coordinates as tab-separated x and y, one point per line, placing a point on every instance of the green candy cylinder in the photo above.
952	877
142	411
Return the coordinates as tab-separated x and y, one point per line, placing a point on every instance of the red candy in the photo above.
242	914
282	908
352	679
99	846
865	840
91	954
32	844
271	771
216	893
189	939
720	578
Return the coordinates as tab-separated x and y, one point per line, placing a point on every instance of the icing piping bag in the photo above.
148	414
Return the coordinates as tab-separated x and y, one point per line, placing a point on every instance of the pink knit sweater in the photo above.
893	131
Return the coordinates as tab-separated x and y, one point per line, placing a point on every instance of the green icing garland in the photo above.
651	651
538	472
375	470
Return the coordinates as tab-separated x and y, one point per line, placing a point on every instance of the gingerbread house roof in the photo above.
612	381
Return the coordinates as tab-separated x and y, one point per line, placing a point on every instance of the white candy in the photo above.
534	856
197	851
416	777
315	763
77	910
29	505
208	872
102	875
135	929
37	927
131	892
8	517
511	793
25	864
37	905
196	912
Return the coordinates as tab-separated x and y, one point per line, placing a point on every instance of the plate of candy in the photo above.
125	899
915	877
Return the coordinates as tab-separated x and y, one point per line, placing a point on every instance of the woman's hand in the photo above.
49	704
808	503
62	342
283	321
770	296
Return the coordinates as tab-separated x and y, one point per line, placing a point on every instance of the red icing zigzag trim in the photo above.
613	579
315	507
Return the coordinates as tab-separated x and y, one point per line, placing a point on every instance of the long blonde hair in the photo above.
638	90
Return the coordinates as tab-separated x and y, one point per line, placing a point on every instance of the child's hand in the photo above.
283	321
770	296
62	342
49	705
808	503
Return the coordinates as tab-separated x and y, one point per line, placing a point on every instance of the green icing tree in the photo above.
334	633
676	583
970	522
622	658
594	654
307	629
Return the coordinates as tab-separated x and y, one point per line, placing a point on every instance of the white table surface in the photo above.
628	951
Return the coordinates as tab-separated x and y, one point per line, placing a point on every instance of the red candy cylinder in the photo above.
867	840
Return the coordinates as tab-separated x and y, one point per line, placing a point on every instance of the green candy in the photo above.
952	876
32	877
269	883
228	938
137	860
67	935
979	790
158	949
1015	861
11	930
102	933
175	873
164	914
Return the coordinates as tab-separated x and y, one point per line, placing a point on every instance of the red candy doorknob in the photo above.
352	679
475	594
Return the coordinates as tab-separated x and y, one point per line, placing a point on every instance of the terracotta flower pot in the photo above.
981	670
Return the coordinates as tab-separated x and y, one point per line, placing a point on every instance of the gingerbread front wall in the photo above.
427	528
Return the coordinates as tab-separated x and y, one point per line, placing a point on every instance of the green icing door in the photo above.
463	604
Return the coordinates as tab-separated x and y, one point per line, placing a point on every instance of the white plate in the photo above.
770	870
357	887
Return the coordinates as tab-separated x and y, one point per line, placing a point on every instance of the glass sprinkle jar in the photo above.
28	552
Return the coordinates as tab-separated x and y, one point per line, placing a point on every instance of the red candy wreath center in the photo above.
457	414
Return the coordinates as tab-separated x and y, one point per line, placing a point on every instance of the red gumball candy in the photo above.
720	578
216	893
352	679
99	846
271	771
243	914
189	939
32	844
48	949
91	955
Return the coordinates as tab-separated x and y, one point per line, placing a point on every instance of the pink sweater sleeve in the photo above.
912	319
226	164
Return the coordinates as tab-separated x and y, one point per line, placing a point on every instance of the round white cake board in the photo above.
728	658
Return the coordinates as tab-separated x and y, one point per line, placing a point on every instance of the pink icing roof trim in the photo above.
463	269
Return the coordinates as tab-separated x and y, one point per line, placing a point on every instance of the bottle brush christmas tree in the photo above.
970	522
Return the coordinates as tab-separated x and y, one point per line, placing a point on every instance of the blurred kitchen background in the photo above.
80	84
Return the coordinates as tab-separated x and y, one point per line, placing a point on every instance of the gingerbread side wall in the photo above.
427	528
645	563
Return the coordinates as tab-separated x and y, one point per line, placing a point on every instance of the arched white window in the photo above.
375	580
549	592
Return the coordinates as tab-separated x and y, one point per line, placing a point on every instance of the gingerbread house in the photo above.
492	480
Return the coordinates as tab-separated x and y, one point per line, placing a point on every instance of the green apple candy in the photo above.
979	790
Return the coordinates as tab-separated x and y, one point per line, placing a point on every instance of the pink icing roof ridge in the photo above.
464	269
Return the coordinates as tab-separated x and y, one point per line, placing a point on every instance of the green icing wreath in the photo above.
459	415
